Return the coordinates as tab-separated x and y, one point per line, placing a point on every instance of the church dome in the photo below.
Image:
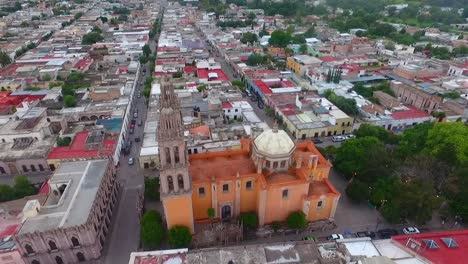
274	142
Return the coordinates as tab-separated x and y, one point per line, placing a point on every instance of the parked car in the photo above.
131	161
132	126
338	138
131	130
137	139
370	234
350	136
335	236
317	141
135	115
411	230
387	233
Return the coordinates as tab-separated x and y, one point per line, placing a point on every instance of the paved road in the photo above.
125	233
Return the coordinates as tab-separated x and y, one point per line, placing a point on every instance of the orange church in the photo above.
270	175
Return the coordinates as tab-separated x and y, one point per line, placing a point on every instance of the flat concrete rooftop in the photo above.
82	180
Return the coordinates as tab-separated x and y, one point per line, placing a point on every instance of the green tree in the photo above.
177	75
238	83
249	219
69	100
303	49
458	193
91	38
357	191
255	59
179	237
152	189
23	187
249	37
63	141
7	193
368	130
297	220
146	50
211	214
363	158
280	38
152	231
446	134
4	58
251	16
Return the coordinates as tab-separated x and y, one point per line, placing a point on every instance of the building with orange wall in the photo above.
270	175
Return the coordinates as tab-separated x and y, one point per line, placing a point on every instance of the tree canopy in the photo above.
91	38
152	231
249	37
22	187
280	38
179	237
297	220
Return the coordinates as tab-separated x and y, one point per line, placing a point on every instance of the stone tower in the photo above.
176	183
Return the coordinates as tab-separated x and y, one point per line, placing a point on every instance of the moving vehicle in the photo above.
338	138
387	233
135	115
335	237
317	141
370	234
411	230
131	161
350	136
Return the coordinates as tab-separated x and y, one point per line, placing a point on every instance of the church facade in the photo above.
270	175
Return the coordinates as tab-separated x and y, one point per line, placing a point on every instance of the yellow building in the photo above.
270	175
300	63
309	116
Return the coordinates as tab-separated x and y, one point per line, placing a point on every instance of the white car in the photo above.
350	136
338	138
131	161
335	237
411	230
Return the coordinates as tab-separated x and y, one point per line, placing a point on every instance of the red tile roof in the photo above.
443	254
203	74
328	58
189	69
227	105
413	112
77	149
9	231
83	64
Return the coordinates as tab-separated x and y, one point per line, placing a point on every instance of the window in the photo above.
2	170
75	242
195	151
349	123
283	164
170	183
201	191
25	169
237	110
3	140
33	168
59	260
35	262
275	164
267	164
226	187
189	151
180	182
449	242
176	154
52	245
168	155
431	244
285	194
248	185
80	257
320	204
229	110
29	249
41	168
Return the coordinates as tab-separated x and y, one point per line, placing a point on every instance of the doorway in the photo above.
226	212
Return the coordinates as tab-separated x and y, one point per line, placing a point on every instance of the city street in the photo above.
125	234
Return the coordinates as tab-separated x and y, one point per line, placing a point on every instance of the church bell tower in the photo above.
175	181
